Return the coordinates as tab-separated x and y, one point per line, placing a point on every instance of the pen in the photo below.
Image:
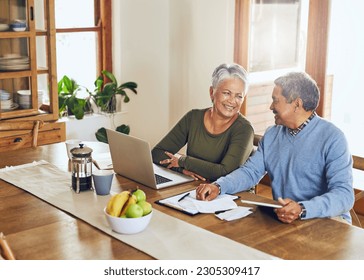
187	194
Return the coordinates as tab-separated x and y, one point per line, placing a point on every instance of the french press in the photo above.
81	166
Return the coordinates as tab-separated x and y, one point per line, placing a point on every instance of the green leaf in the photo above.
110	76
101	135
123	129
126	98
129	85
99	82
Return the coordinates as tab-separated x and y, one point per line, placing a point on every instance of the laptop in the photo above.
131	157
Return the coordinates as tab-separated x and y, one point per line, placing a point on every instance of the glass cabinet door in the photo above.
25	78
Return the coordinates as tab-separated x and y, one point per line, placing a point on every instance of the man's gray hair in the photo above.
300	85
226	71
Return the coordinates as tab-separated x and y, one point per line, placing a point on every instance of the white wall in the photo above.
170	48
345	63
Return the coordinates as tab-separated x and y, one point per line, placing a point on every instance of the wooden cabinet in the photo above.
51	132
28	80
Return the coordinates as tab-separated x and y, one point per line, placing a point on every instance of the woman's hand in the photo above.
194	175
172	161
289	212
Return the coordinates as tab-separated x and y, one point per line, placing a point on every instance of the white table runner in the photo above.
165	238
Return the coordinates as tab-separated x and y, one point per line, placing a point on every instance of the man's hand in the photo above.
289	212
207	192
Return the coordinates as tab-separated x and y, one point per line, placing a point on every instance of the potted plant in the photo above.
105	93
68	100
104	97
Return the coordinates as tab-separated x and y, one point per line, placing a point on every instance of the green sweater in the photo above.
208	155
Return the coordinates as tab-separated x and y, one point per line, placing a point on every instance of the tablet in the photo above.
262	203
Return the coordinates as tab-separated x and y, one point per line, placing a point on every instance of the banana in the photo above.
116	203
109	204
132	200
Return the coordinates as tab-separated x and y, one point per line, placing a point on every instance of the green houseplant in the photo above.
104	97
68	100
105	93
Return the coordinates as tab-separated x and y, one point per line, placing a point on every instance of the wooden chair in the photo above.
19	134
359	194
5	250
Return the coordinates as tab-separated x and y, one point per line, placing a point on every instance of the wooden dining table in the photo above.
36	230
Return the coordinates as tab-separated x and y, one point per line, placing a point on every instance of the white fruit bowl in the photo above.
128	225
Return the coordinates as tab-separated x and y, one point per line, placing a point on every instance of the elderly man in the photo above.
306	157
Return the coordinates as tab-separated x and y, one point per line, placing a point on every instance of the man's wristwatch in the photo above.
302	215
217	185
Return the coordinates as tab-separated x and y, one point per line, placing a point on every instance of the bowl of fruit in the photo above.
128	212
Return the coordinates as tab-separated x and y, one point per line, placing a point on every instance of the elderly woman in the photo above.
219	138
306	157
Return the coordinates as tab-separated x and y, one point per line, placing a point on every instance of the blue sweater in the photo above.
314	168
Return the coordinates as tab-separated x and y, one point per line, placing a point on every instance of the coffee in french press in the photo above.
81	166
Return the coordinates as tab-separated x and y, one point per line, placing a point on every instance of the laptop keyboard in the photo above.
160	179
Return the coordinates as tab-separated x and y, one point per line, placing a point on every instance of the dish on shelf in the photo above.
24	98
6	104
25	92
14	67
13	58
4	95
13	62
19	29
13	107
18	25
4	26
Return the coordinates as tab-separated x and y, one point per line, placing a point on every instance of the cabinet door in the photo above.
27	60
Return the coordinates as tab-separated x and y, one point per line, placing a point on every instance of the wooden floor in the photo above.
266	192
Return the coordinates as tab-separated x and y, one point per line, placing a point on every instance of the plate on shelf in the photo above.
13	62
13	107
14	58
14	67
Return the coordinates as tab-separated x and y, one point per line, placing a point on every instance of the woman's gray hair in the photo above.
226	71
300	85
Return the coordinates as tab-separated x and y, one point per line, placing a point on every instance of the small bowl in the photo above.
128	225
18	29
18	25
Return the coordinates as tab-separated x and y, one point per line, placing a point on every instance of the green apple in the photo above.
140	195
134	211
146	206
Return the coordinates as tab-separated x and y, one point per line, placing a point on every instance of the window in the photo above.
83	37
278	32
273	37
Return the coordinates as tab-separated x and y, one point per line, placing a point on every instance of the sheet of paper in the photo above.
192	205
102	160
234	214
